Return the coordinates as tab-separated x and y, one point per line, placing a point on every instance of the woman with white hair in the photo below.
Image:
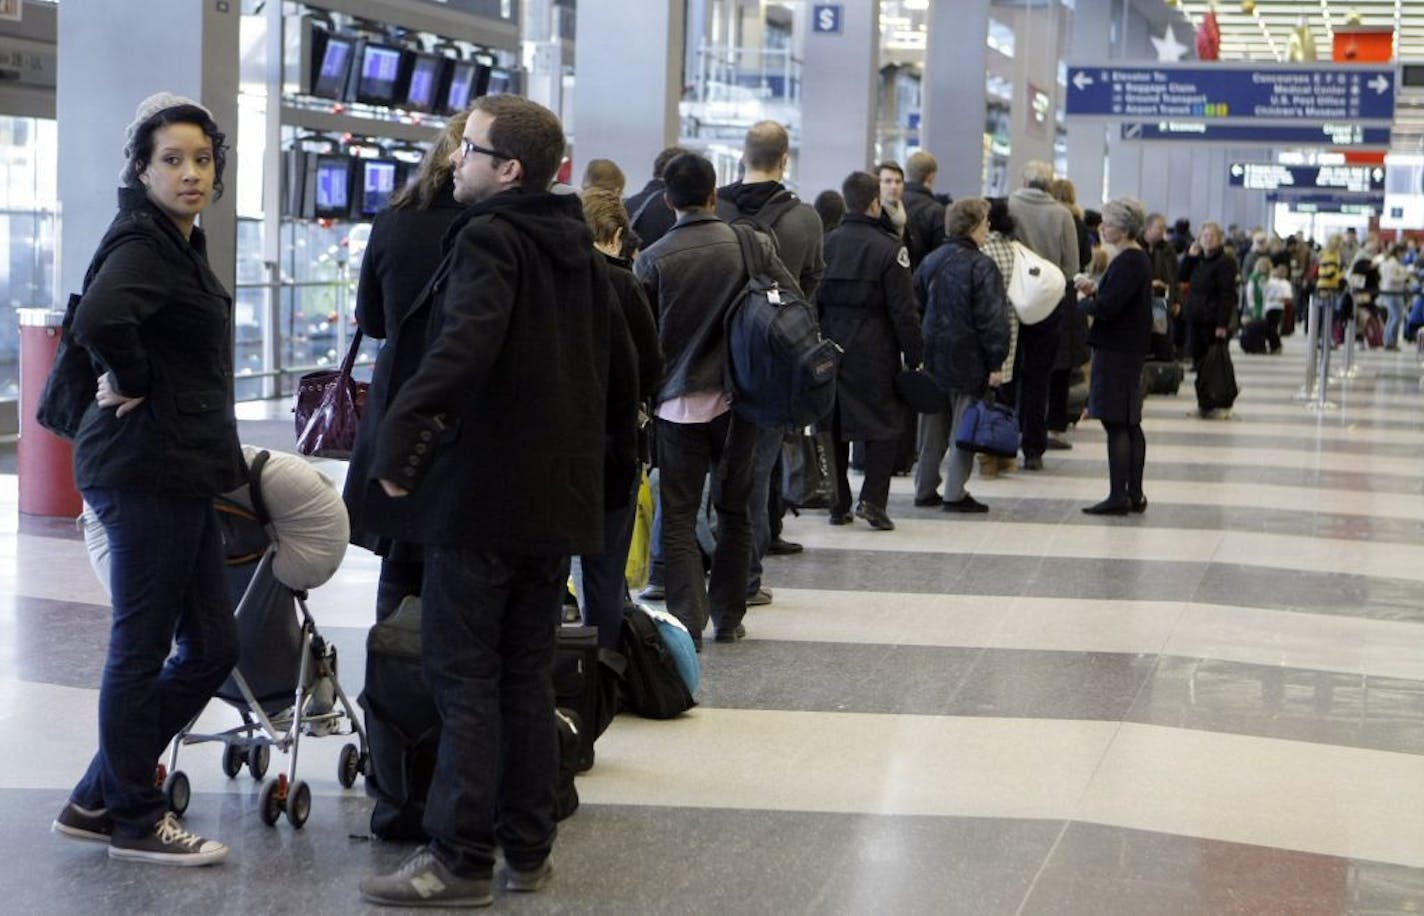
1120	304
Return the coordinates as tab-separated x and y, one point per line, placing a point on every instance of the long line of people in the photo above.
502	433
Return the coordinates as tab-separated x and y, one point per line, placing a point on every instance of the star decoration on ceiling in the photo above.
1168	47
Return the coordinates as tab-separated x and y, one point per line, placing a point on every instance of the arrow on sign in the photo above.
1133	131
1379	84
1237	170
1082	80
1377	174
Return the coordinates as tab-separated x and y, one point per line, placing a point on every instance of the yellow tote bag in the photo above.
640	551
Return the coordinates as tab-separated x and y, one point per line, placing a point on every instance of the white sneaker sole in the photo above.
78	833
180	859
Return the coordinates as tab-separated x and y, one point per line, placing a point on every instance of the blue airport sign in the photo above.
1353	136
828	18
1352	204
1282	92
1339	179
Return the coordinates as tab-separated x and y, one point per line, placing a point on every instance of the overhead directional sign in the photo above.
1216	92
1353	136
1266	176
1354	204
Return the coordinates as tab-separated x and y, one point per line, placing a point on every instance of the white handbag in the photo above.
1036	285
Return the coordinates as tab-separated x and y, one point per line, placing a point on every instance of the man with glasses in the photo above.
491	457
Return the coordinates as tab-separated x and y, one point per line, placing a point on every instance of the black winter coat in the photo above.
867	306
649	214
402	255
924	226
966	316
1211	288
633	376
499	432
1073	339
157	318
1122	306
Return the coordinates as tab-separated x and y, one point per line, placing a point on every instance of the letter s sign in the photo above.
827	18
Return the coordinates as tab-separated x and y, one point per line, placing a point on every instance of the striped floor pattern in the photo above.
1215	707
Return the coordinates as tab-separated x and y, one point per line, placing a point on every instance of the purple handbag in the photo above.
328	408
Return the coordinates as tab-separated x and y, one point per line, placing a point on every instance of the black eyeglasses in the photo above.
468	149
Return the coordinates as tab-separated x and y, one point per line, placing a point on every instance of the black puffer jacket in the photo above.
157	318
966	326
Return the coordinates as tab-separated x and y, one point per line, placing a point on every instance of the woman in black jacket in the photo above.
966	332
605	590
158	443
1120	305
401	255
1210	275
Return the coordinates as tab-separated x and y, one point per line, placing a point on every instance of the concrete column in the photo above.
628	80
952	106
184	47
1086	139
1033	111
839	80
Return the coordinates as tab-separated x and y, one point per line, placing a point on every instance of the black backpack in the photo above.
781	373
651	685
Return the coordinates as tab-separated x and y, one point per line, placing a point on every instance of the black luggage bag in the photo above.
1216	379
1255	336
1161	377
586	681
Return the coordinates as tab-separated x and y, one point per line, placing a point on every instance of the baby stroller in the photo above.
285	684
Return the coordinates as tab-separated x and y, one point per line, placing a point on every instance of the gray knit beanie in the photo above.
159	101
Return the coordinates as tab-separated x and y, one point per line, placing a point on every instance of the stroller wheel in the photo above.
177	792
271	801
232	760
298	803
348	766
258	756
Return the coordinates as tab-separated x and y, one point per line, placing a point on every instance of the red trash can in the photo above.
45	461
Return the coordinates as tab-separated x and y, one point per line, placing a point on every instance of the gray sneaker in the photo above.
653	593
526	882
168	844
423	880
83	823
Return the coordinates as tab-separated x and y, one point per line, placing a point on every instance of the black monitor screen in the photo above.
333	66
333	183
424	82
378	183
380	71
462	86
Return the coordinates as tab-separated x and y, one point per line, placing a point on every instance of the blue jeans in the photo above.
1394	302
167	581
768	449
488	629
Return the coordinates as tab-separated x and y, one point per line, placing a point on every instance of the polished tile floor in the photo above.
1217	707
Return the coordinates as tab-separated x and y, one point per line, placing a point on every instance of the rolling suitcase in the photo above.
586	681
